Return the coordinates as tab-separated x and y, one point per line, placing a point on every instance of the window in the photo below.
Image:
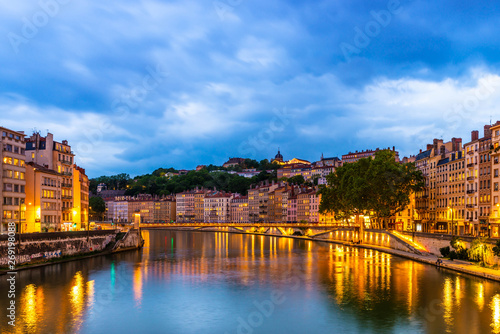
7	187
7	214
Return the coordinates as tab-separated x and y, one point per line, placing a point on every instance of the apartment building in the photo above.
314	201
56	156
495	180
12	180
217	207
164	209
81	199
239	209
184	206
143	205
263	198
429	202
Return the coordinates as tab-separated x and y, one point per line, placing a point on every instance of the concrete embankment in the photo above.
36	249
382	241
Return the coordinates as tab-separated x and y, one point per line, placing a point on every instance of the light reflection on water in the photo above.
187	282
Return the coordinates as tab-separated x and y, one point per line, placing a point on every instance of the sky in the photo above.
138	85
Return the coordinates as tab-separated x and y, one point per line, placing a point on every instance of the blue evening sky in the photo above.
137	85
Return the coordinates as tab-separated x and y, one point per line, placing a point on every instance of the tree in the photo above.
97	208
297	179
391	184
380	187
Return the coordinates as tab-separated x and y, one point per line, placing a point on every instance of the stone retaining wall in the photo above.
41	247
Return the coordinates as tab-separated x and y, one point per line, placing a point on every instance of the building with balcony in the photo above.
217	207
239	209
44	207
184	206
81	199
56	156
12	180
495	180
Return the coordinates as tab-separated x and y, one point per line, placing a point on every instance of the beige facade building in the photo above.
164	210
43	199
12	180
239	209
81	199
143	205
185	210
217	207
264	191
56	156
495	180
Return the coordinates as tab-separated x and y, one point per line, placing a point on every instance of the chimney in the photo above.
474	135
394	148
456	144
443	151
487	131
435	146
420	151
429	147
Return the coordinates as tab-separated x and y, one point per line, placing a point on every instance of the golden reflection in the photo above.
253	247
458	291
495	314
480	296
448	301
77	298
29	310
137	285
90	293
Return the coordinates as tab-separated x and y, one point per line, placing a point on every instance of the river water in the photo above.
202	282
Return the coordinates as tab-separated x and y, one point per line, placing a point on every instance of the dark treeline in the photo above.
161	183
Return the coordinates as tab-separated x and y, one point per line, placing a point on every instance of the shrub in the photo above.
462	254
496	249
457	243
453	255
445	251
480	251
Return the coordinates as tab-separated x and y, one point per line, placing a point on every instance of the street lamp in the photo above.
21	206
450	209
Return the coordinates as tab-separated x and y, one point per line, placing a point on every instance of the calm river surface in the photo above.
195	282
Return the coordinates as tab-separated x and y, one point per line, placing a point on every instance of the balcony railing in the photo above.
470	165
470	206
66	185
470	178
471	191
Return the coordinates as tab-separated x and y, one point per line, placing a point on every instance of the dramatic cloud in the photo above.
136	85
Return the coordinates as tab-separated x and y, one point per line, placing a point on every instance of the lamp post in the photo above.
21	203
452	225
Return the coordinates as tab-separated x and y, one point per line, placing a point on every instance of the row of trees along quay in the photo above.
378	188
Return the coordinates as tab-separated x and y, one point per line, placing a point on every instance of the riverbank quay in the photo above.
40	249
464	267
